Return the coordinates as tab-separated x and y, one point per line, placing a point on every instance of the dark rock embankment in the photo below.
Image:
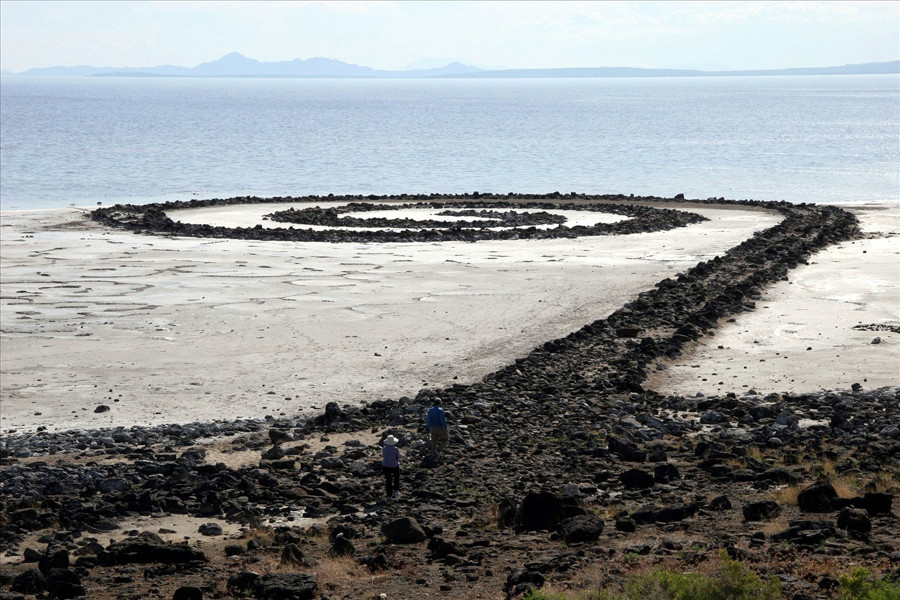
559	466
154	218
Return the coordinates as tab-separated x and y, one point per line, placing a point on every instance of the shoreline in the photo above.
562	449
481	281
377	322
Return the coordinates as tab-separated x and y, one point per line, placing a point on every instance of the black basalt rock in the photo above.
854	519
626	450
31	581
581	528
761	511
637	479
540	510
817	498
286	586
405	530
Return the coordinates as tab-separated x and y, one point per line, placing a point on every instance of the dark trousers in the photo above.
391	479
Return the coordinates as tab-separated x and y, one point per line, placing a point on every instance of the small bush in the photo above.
856	586
732	581
543	595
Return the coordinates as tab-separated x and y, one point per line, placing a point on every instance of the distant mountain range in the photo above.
237	65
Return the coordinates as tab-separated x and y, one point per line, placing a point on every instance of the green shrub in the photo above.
542	595
733	581
856	586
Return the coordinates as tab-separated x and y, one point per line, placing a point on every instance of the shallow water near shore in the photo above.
824	139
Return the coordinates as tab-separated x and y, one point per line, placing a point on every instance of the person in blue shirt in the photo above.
436	423
390	464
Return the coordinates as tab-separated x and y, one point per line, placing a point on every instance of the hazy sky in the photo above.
392	35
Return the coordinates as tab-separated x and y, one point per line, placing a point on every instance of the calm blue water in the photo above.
803	139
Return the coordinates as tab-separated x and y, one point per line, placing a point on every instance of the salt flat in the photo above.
814	331
174	330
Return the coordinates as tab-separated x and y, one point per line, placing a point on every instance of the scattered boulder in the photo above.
665	473
875	503
720	503
626	450
522	581
243	584
854	519
581	528
286	586
31	581
540	510
405	530
54	557
188	592
63	584
761	511
626	524
292	554
637	479
279	436
817	498
147	547
211	529
341	546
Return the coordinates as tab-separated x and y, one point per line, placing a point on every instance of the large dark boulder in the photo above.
188	592
286	586
333	412
441	548
278	437
522	581
817	498
341	546
626	450
243	584
805	533
147	547
854	519
778	476
509	512
54	557
405	530
31	581
875	503
540	510
761	511
637	479
292	555
720	503
665	473
675	512
582	528
63	584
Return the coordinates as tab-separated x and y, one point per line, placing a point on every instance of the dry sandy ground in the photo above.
174	330
814	331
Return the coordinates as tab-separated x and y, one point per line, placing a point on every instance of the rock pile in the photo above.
153	218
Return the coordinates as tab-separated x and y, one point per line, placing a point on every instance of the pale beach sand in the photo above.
175	330
814	331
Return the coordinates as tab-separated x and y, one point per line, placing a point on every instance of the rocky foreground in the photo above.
562	472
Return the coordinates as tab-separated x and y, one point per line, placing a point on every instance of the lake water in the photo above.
828	139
